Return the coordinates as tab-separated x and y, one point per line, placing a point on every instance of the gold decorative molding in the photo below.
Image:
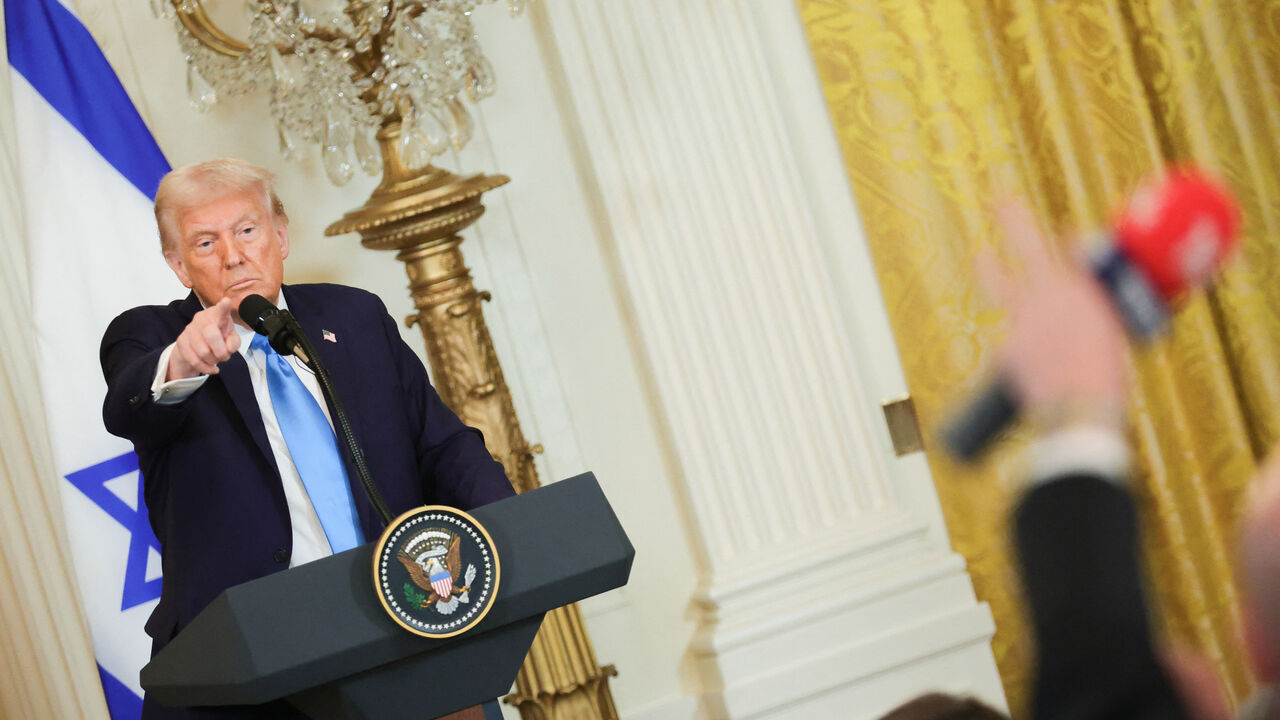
561	679
419	214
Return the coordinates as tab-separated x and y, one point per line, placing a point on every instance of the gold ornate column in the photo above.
419	214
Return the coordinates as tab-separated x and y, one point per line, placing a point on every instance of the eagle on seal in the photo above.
435	570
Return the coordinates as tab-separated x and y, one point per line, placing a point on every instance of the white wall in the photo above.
683	304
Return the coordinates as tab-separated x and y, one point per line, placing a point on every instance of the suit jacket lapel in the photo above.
188	308
234	376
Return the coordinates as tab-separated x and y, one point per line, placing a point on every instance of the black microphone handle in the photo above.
347	435
981	421
267	320
276	327
286	336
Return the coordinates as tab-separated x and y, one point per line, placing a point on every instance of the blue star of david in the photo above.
92	481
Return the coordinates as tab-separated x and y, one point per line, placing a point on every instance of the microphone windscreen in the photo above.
1178	230
254	310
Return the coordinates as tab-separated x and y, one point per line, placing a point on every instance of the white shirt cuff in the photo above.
174	391
1080	450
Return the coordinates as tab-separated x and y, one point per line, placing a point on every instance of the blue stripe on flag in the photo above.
122	703
57	55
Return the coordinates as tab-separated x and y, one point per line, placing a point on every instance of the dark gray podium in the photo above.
317	636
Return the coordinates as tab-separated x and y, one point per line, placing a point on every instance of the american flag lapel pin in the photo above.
329	336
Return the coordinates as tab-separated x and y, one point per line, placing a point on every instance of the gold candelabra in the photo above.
419	214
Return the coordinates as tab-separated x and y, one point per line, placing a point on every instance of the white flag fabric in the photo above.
89	168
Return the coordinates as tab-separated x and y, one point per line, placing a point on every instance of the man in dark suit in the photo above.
231	495
1074	525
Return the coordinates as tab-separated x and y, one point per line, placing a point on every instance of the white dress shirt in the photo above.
1080	449
309	541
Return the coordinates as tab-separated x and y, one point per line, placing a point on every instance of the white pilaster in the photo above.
828	568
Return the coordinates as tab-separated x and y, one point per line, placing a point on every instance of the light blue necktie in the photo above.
314	450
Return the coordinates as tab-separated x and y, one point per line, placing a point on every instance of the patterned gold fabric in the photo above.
944	106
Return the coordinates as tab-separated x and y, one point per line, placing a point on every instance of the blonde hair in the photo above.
190	186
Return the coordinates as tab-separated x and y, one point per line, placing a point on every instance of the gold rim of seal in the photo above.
377	581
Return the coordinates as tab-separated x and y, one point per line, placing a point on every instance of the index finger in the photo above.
223	311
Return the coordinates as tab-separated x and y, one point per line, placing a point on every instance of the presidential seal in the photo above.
436	571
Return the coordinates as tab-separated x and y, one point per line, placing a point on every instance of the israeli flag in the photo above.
89	168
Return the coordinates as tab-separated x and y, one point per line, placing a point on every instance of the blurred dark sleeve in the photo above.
1077	546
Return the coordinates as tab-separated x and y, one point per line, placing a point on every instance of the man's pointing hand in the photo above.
210	338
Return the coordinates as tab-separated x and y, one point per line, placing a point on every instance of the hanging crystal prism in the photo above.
367	151
201	93
337	139
433	129
463	127
338	129
336	164
410	42
413	150
480	79
285	79
288	148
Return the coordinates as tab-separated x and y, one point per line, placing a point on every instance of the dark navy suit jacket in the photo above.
212	489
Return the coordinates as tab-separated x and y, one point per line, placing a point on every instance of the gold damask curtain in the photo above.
941	107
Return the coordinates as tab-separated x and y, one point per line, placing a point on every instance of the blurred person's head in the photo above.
1194	674
940	706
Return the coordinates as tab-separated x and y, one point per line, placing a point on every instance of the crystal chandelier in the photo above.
338	71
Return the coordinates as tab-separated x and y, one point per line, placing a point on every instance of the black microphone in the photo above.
267	319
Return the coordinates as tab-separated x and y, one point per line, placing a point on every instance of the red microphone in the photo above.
1171	237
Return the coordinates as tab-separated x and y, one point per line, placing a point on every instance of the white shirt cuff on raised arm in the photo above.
1083	449
174	391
